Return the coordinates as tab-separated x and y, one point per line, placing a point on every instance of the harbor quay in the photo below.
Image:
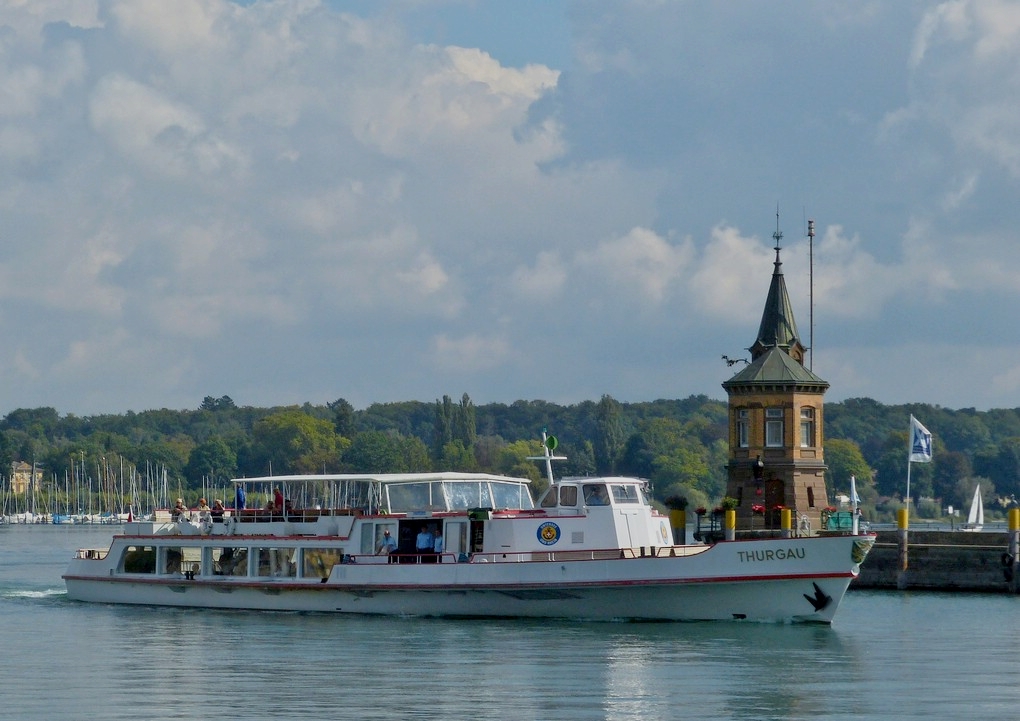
943	560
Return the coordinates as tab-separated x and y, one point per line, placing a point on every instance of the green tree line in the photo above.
679	445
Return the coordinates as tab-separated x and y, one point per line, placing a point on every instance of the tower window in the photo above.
807	427
773	427
743	428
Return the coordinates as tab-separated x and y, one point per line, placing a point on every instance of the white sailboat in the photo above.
976	517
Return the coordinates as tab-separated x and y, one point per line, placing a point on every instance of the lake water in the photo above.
888	655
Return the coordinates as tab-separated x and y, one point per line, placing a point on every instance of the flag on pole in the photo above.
854	498
920	442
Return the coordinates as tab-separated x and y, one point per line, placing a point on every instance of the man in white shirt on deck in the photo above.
387	545
424	546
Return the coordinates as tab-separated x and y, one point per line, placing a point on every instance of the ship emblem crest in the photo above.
548	533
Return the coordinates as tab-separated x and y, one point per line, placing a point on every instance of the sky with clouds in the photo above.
297	201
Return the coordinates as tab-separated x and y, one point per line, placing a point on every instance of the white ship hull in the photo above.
768	580
574	557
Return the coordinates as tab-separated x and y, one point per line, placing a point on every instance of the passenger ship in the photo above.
591	548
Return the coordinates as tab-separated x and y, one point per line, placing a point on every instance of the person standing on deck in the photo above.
424	546
437	546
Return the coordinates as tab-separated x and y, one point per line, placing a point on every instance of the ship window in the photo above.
230	561
568	496
743	428
139	559
462	495
549	499
511	495
318	562
625	494
484	496
595	494
406	497
182	559
774	427
275	562
172	560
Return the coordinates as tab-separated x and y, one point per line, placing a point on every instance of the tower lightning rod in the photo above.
811	293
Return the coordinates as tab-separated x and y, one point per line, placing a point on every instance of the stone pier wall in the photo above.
939	561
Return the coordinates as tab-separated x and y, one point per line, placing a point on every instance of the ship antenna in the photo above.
549	444
811	293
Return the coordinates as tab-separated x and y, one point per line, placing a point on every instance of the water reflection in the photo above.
889	655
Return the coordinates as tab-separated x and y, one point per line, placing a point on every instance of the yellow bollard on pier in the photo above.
785	521
1011	560
678	520
902	525
730	524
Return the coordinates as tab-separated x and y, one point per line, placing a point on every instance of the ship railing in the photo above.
294	515
91	554
598	554
407	558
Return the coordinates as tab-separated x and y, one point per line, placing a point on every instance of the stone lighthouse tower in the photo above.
775	423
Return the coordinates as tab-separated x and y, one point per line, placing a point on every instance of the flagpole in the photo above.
855	522
907	499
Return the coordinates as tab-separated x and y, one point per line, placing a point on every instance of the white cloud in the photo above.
543	281
194	182
966	61
28	17
642	264
454	99
470	353
159	134
731	265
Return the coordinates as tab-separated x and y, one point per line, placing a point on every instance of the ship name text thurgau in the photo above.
777	554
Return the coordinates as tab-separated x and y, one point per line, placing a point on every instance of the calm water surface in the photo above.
887	656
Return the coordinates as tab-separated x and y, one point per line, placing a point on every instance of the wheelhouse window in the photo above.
595	494
625	494
568	496
807	427
743	428
774	427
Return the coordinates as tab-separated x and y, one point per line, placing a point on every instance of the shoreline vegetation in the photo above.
66	464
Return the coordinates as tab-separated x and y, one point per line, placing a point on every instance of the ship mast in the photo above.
549	444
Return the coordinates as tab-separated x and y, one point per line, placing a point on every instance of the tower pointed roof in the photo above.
778	327
777	355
